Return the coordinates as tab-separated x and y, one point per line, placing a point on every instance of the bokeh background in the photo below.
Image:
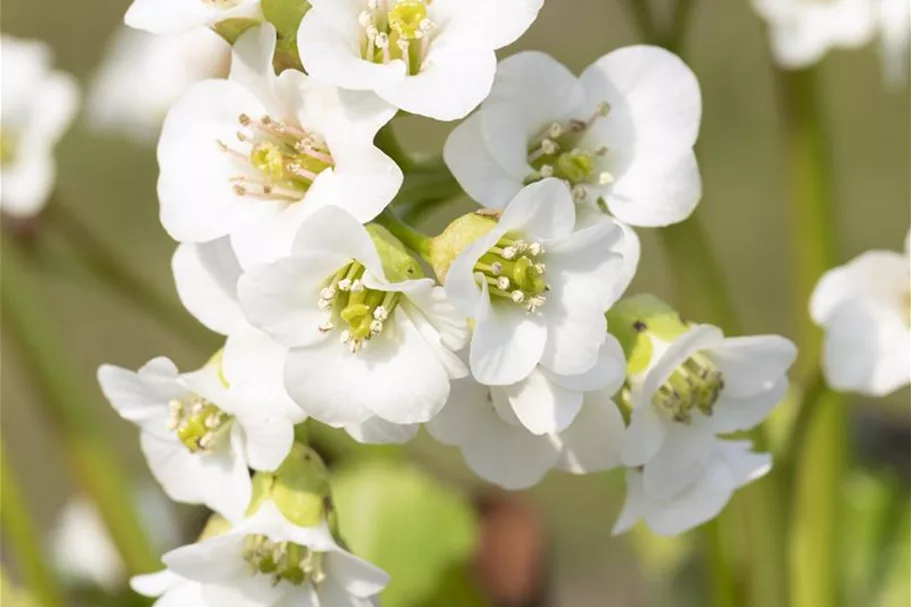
109	183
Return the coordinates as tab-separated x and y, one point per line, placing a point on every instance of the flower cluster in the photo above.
507	335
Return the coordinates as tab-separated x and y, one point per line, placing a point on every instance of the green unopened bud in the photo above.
455	238
231	29
398	264
286	16
299	488
634	320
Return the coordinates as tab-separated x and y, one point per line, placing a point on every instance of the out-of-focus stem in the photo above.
23	539
68	409
821	458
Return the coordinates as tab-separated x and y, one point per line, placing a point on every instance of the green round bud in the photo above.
455	238
299	488
398	263
633	320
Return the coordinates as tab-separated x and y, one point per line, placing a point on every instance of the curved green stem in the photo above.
23	539
106	265
68	406
411	238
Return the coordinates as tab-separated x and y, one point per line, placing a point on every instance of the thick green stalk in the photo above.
68	408
411	238
821	459
22	538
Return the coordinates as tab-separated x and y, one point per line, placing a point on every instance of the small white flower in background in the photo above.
173	590
688	383
803	31
198	435
82	549
729	466
177	16
894	18
367	336
620	135
267	560
498	448
536	289
252	156
434	59
206	276
864	307
37	105
143	75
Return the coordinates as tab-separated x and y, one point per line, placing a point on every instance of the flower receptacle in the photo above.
455	238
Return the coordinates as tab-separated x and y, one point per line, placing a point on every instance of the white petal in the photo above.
143	396
594	440
335	231
510	456
644	436
753	364
699	337
268	520
733	413
681	459
366	179
216	560
493	24
377	431
155	584
268	441
251	61
633	506
876	275
355	575
541	405
467	412
206	276
254	367
250	591
544	209
175	16
474	167
609	372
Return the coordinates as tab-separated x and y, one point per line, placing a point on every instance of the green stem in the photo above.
822	456
722	576
23	539
106	265
411	238
68	406
389	143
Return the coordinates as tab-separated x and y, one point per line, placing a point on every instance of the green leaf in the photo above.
404	521
286	16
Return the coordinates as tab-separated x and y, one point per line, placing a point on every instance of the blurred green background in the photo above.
110	184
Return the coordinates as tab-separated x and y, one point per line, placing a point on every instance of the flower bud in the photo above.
286	16
455	238
398	264
635	320
299	488
215	526
231	29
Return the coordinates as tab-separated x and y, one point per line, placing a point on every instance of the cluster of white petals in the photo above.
37	104
864	307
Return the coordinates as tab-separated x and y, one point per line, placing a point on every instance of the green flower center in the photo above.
286	159
556	152
514	271
198	424
396	29
694	385
362	311
283	561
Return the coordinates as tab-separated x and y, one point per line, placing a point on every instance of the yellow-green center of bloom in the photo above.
396	30
283	561
285	159
361	311
198	424
514	271
558	152
695	385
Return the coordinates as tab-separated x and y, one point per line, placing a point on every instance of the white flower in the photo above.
865	309
174	590
695	386
176	16
268	561
143	75
622	134
894	22
81	546
496	446
198	435
536	289
432	58
206	275
802	31
362	343
37	104
252	156
729	466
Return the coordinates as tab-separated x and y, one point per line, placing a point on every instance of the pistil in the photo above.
514	271
198	423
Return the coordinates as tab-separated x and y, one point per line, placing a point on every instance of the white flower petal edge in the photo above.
176	16
621	135
696	386
863	306
170	589
197	435
359	346
253	156
555	316
502	451
435	59
801	33
322	573
37	106
729	466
